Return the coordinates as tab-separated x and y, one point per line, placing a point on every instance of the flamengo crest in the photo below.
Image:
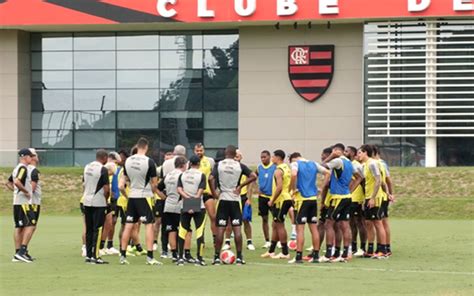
311	68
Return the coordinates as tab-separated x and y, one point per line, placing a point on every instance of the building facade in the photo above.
79	77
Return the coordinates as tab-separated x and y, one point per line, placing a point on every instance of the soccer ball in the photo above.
227	257
292	245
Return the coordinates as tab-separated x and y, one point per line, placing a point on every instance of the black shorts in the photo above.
111	208
121	214
323	215
263	207
140	209
206	197
226	210
306	212
340	209
279	213
356	209
384	208
243	200
199	219
374	213
171	221
158	208
81	206
26	215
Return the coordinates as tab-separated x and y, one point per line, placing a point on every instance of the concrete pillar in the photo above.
431	96
431	156
15	94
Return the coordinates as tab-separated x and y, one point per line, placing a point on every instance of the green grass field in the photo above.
432	240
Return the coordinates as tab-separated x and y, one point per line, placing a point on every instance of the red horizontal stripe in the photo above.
311	83
323	55
310	69
310	97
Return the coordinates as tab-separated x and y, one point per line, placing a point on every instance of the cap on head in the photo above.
25	152
33	152
194	160
179	150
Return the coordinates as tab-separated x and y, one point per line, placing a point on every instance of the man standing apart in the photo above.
141	172
265	172
96	193
226	176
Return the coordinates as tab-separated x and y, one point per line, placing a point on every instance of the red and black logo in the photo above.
311	68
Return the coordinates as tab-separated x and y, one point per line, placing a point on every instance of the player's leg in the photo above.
386	226
228	232
330	231
110	238
291	214
321	225
88	215
247	224
105	230
300	219
131	218
210	205
200	225
172	227
353	224
222	218
370	216
263	210
184	227
83	236
362	234
187	246
18	233
281	230
337	240
236	222
98	218
380	234
157	211
274	240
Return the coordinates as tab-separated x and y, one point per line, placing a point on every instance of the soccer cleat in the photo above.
266	245
29	257
324	259
87	260
368	255
295	261
112	251
102	252
164	255
239	261
155	247
140	253
281	256
226	247
190	259
22	257
267	255
336	259
313	260
84	251
307	257
379	255
152	261
180	262
216	261
14	259
131	251
388	254
100	261
250	247
278	245
123	261
174	259
359	253
200	262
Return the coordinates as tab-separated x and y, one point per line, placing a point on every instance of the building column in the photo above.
431	96
431	155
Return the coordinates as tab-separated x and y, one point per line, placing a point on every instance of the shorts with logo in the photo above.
206	197
81	206
25	215
263	207
306	212
158	208
384	208
227	209
356	209
279	212
340	209
140	209
374	213
170	221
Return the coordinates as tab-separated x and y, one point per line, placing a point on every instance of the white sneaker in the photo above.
225	247
338	259
112	251
310	249
267	255
251	247
155	247
324	259
359	253
281	256
279	245
102	252
84	251
266	245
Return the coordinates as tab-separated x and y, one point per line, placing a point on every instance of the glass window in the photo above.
84	157
51	60
96	41
221	41
137	99
455	151
54	120
216	139
137	79
187	138
94	79
221	58
51	139
180	42
221	99
221	78
94	60
181	120
221	120
137	59
53	41
97	99
94	120
181	59
61	158
140	41
189	99
49	100
137	120
94	139
180	78
126	139
51	79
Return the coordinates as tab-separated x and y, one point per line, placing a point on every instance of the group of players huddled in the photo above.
355	191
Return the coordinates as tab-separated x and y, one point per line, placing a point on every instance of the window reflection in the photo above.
94	120
51	139
91	100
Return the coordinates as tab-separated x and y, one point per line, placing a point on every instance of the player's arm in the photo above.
161	188
389	183
19	179
104	181
294	177
9	183
376	173
355	182
213	179
202	186
122	184
334	154
34	180
153	176
180	189
279	186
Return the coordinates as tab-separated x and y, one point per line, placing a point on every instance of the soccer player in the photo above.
96	192
325	200
339	210
373	201
206	166
226	176
280	203
34	177
303	184
168	165
140	171
265	172
191	184
357	221
158	211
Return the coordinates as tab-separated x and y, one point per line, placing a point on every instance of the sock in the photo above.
239	254
378	248
16	250
249	242
299	256
315	254
216	255
345	253
123	253
337	252
272	247
155	241
110	244
22	250
187	253
149	254
102	244
139	248
354	247
389	250
371	248
174	253
383	249
363	246
227	241
284	248
293	229
328	251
